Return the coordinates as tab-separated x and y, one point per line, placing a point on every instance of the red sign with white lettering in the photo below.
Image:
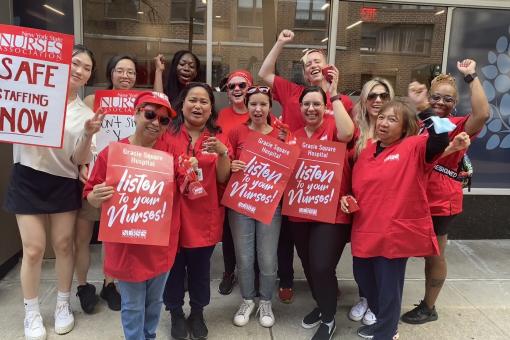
314	187
118	107
34	73
140	211
256	191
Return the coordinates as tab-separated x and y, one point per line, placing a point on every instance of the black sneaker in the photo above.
325	332
420	314
111	295
227	283
311	319
197	326
179	330
367	332
88	298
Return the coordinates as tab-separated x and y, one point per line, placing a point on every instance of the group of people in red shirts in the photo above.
395	203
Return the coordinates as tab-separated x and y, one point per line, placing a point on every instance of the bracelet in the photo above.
336	97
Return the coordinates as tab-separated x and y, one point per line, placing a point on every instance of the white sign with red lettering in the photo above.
34	72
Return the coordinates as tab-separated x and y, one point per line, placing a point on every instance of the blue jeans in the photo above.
245	231
141	307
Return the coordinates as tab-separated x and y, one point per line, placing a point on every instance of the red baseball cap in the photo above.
157	98
241	73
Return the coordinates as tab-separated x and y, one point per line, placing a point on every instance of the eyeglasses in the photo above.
121	71
258	89
446	99
151	115
232	86
384	96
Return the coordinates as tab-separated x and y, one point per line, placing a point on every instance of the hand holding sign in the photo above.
99	194
237	165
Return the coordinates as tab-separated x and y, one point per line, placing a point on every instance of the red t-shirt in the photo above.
134	262
444	193
394	219
240	134
228	119
201	218
327	131
287	94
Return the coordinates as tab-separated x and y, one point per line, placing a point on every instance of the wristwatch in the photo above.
470	77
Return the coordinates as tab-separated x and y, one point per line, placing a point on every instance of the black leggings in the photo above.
319	246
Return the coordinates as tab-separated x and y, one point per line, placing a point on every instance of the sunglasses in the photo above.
151	115
258	89
241	86
446	99
384	96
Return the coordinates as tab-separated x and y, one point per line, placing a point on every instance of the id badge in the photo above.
200	175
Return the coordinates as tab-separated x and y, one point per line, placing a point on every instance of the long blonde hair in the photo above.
361	114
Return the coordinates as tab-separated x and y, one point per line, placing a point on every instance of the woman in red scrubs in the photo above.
194	134
394	223
444	192
319	244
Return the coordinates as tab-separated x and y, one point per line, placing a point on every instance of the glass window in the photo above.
398	42
249	13
56	15
486	39
311	13
143	29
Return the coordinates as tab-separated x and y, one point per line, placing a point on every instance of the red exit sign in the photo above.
368	13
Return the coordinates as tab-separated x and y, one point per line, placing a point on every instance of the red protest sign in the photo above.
140	211
313	189
257	191
118	123
34	72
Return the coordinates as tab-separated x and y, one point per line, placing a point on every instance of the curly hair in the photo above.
447	79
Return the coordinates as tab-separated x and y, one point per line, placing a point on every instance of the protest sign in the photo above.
140	210
118	108
256	191
34	73
313	189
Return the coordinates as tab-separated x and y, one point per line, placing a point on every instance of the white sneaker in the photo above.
242	315
358	310
64	318
266	316
34	327
369	318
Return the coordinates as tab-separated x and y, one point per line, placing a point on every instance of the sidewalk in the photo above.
474	303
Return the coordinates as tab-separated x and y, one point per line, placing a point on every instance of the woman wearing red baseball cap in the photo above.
141	270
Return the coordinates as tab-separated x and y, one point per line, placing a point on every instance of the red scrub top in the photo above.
202	218
135	262
240	134
287	94
394	219
444	193
229	119
327	131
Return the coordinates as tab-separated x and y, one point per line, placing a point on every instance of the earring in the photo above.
454	111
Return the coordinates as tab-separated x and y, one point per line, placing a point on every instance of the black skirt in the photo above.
33	192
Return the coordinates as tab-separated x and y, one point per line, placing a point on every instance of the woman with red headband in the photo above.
195	135
252	238
228	118
141	269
